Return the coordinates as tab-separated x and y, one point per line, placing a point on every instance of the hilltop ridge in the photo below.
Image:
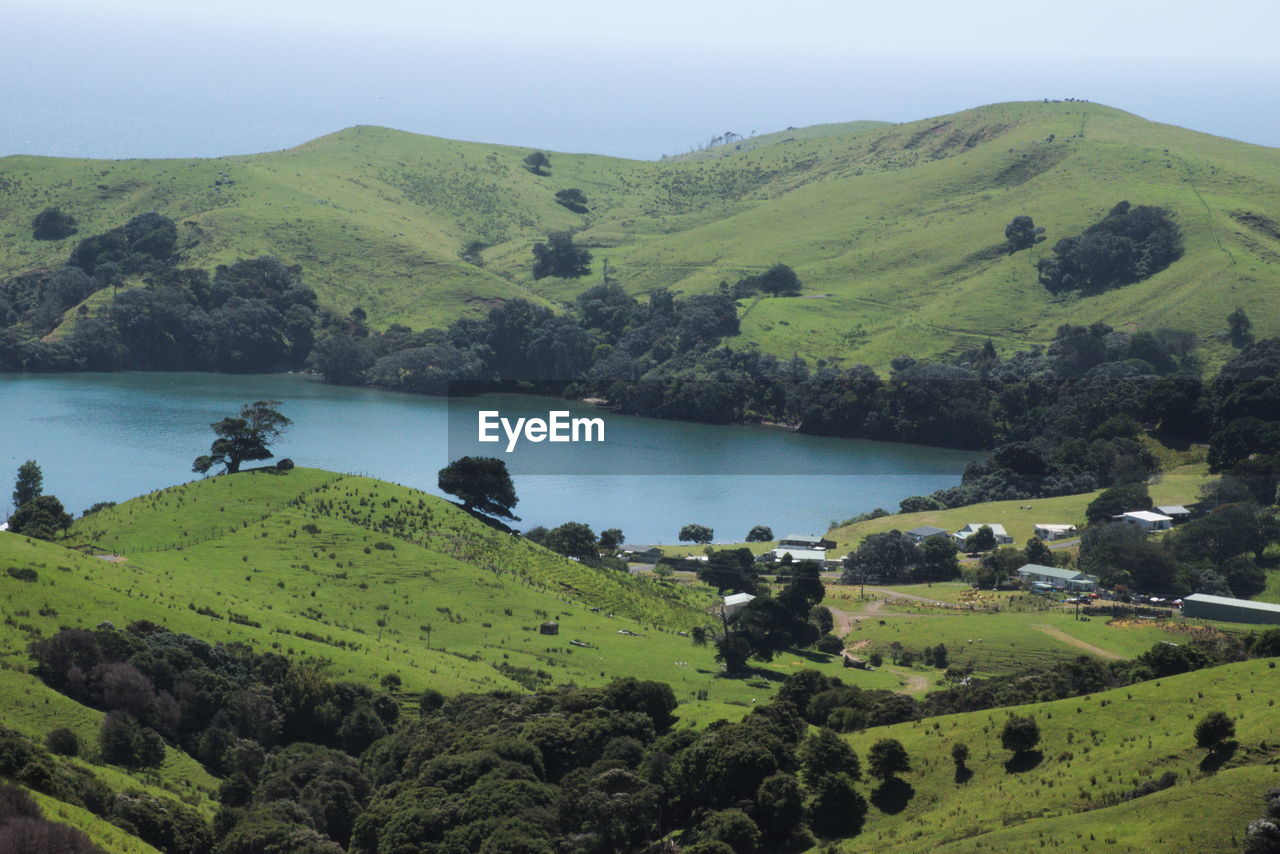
896	231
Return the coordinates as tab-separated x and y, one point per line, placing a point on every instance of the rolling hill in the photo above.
895	230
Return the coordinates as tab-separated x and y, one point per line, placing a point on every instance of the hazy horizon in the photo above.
146	80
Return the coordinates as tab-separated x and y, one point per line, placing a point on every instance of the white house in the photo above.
735	603
1147	520
797	555
1049	532
1002	536
1060	579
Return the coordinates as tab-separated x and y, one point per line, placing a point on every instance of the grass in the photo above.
1094	748
896	226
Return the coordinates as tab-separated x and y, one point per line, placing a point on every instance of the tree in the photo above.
960	754
760	534
1038	552
52	224
837	808
825	753
1239	328
1021	233
889	555
573	539
693	533
243	439
482	483
41	517
29	484
780	280
1117	500
573	199
538	162
1214	730
611	538
981	540
1020	734
887	757
559	257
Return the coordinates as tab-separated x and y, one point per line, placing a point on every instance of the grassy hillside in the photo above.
893	229
1095	748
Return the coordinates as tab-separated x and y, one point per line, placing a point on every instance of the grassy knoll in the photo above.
102	833
1093	749
370	578
895	229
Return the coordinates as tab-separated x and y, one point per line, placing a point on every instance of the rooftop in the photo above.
738	599
927	530
1235	603
1146	516
1053	572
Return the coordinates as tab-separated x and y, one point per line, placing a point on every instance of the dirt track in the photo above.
1059	634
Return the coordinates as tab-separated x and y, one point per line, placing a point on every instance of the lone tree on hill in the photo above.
538	163
52	224
1022	233
29	484
760	534
887	757
243	439
482	483
1240	328
573	539
700	534
1214	731
611	538
1020	734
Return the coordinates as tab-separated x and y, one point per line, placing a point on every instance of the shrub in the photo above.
63	741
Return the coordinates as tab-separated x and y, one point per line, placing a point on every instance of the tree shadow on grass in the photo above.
1219	757
963	774
892	796
813	655
1023	761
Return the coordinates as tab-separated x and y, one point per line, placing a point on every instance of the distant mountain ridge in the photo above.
895	230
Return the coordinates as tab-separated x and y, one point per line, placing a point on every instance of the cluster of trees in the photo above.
35	514
261	722
767	625
1128	245
892	557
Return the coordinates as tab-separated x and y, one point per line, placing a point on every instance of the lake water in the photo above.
110	437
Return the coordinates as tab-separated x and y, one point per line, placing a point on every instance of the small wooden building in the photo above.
550	627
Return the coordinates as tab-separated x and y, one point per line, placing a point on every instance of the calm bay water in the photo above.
109	437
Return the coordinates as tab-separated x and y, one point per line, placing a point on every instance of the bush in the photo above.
63	742
830	644
1020	734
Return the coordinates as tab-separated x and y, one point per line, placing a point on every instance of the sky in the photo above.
157	78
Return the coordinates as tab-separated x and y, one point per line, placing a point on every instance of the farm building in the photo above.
644	554
1146	520
1049	532
925	532
806	541
1176	512
1002	536
735	603
1060	579
1202	606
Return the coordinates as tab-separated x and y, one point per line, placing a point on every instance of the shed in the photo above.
1176	512
1205	607
735	603
798	555
550	627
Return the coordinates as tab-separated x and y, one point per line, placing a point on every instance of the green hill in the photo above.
895	230
1094	750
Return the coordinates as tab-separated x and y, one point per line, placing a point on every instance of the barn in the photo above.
1202	606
